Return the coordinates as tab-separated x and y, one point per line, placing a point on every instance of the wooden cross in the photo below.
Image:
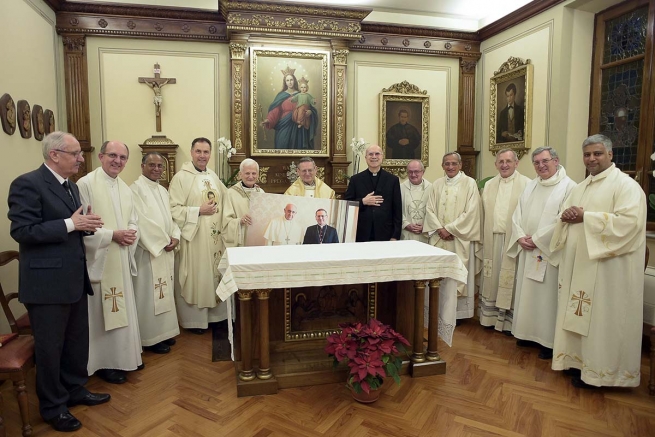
161	288
581	297
113	295
157	83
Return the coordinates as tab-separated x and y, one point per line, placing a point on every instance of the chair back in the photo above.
5	258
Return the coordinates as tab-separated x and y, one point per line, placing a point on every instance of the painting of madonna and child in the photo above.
290	110
279	220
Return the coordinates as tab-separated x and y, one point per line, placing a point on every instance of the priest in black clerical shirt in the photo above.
380	205
321	232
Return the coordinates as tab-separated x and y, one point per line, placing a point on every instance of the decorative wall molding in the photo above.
518	16
406	43
137	27
286	8
419	32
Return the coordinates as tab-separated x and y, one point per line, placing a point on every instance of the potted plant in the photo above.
372	351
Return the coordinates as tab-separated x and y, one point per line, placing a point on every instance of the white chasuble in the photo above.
111	345
454	204
601	279
535	301
154	285
201	245
236	206
415	199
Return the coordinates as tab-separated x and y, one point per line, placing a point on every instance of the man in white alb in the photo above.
414	193
236	218
114	339
499	199
284	230
600	244
452	221
197	196
533	223
155	259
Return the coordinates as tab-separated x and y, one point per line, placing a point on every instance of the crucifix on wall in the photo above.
157	83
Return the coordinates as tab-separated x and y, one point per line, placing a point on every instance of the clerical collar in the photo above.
107	177
509	178
373	174
197	169
603	174
420	186
313	184
150	181
245	187
454	178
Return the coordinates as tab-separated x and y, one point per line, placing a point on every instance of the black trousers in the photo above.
61	346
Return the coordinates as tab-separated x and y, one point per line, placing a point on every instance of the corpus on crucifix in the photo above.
157	83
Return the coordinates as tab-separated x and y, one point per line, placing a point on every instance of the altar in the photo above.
303	292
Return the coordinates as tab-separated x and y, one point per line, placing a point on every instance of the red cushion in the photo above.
14	354
23	322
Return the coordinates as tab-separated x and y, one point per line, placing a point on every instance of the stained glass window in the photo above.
625	36
620	111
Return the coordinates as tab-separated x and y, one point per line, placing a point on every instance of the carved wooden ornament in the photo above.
8	114
38	122
49	120
24	119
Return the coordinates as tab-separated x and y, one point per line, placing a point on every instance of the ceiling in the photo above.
465	15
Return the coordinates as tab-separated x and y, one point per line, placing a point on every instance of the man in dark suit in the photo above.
322	233
511	120
403	139
48	224
380	205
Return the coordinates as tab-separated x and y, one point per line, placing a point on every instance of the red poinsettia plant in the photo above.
371	350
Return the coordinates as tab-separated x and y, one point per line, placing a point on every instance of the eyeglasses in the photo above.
75	154
113	156
542	162
415	172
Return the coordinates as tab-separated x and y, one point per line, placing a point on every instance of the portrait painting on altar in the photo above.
510	107
290	107
279	220
313	312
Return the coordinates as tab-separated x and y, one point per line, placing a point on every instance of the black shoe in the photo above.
65	422
112	376
170	341
197	331
572	372
579	383
546	353
141	366
524	343
90	399
508	333
159	348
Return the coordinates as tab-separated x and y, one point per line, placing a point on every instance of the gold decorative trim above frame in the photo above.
515	75
293	9
258	107
291	335
412	96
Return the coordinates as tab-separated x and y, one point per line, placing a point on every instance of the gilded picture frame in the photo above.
313	313
510	107
404	124
290	108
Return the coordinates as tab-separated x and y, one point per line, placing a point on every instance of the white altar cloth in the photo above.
248	268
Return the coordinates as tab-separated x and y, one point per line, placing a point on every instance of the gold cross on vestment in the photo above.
581	297
160	285
157	83
113	295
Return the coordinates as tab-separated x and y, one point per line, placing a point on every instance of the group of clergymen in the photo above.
174	240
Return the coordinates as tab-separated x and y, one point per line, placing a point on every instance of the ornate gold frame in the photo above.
521	72
257	112
407	93
290	335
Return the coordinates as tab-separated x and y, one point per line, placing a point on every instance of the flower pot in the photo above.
365	398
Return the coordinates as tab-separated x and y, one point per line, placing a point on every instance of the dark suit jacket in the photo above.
52	261
377	223
519	123
311	235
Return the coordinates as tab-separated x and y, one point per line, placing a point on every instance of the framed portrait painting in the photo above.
290	105
510	109
404	124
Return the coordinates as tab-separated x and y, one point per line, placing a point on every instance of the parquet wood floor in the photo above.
491	388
